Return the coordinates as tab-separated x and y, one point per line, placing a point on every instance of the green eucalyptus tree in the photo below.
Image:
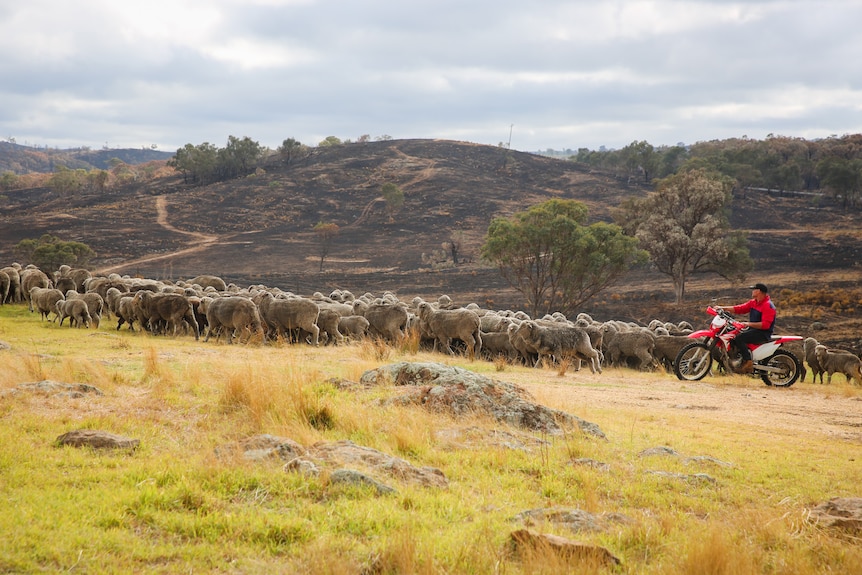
554	259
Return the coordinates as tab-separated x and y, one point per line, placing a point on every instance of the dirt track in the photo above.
801	410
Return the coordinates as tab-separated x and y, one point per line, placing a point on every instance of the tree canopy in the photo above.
554	259
684	226
50	252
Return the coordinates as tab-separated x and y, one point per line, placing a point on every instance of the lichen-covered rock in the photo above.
97	440
461	392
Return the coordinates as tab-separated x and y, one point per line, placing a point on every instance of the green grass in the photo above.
174	506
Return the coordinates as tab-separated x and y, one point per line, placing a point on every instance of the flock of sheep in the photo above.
207	306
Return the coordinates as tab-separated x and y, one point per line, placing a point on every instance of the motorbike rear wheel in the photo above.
789	366
693	361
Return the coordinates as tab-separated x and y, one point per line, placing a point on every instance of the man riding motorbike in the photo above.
760	324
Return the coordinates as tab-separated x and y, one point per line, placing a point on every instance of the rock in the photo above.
461	392
97	440
347	452
5	346
693	478
587	462
264	446
842	513
527	544
353	477
574	519
48	387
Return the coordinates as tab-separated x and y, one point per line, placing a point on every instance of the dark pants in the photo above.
750	336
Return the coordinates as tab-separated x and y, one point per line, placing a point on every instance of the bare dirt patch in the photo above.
802	410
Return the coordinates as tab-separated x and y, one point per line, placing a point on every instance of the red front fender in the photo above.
700	333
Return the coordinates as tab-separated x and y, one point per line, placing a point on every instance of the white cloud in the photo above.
567	73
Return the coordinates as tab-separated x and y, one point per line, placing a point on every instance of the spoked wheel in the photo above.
693	361
786	366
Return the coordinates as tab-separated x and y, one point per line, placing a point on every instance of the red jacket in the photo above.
763	311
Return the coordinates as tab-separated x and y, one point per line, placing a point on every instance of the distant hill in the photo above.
25	159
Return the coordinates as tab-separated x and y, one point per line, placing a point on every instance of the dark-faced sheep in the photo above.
76	310
232	313
562	343
45	301
839	362
448	324
809	348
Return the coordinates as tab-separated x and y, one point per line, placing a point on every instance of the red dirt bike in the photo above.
775	366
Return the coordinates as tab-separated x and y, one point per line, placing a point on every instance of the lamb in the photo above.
449	324
75	309
563	342
45	300
283	315
839	361
232	313
809	348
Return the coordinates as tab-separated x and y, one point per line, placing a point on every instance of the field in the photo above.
735	470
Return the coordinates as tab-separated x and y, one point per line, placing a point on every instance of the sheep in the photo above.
14	294
232	313
75	309
527	352
353	326
95	304
206	281
563	342
492	322
327	322
45	300
637	345
449	324
839	361
33	277
667	348
386	320
165	309
125	311
283	315
4	286
496	344
809	348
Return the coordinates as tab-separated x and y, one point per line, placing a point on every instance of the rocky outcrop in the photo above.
458	391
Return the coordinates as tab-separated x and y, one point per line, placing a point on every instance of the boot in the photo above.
746	367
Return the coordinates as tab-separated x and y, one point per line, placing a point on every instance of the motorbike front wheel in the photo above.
693	361
788	369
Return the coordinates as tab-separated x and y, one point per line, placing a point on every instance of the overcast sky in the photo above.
553	74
